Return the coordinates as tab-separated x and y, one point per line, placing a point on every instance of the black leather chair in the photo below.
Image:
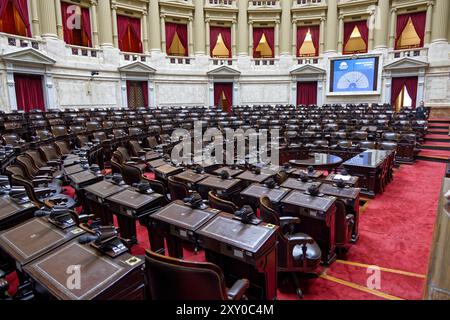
297	252
175	279
177	190
218	203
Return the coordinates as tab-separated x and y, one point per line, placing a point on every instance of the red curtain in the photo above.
306	93
226	88
129	33
29	92
226	36
145	93
301	35
257	35
86	25
181	30
7	16
70	35
411	84
418	19
363	30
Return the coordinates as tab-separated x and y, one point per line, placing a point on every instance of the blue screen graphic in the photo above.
354	75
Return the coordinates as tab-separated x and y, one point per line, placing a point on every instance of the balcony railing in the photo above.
413	52
308	60
83	51
255	4
179	60
265	61
20	41
132	56
219	2
308	2
222	61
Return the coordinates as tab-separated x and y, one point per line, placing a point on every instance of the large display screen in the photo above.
354	75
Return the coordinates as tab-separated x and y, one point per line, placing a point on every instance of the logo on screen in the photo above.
343	66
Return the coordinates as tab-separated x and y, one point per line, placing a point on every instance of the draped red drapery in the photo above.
411	84
363	30
29	92
257	36
226	36
78	34
227	89
418	19
129	33
301	35
145	93
181	30
7	16
306	93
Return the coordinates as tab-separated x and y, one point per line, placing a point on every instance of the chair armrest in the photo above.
53	163
290	220
299	240
43	192
238	289
38	182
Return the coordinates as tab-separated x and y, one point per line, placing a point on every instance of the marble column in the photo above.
294	38
191	37
285	35
145	30
115	32
277	39
332	18
243	27
94	23
250	38
105	23
59	22
199	27
393	28
163	33
341	35
428	30
47	10
233	38
440	21
35	18
381	24
371	22
155	26
322	35
208	36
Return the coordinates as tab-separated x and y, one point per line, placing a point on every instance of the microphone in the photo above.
310	170
304	177
142	187
199	170
87	239
314	190
246	215
195	200
270	183
41	213
224	175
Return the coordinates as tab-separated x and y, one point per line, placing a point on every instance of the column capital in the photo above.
430	3
190	19
341	17
162	16
323	19
93	2
250	22
114	6
145	12
393	10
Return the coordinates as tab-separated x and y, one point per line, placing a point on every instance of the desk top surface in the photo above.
70	160
8	207
68	170
318	159
219	183
191	176
225	229
231	172
368	158
252	177
296	184
300	199
183	216
104	189
133	199
167	169
314	175
34	238
347	193
157	163
98	272
83	176
258	191
353	180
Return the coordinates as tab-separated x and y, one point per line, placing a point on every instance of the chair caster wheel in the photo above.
299	293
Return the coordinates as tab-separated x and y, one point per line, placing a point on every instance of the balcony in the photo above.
306	3
133	56
179	60
308	60
83	51
420	53
264	4
222	61
12	40
220	3
265	62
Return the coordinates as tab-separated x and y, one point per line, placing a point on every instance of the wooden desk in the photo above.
96	194
102	277
165	171
71	160
13	213
82	179
243	251
32	239
296	184
156	163
317	216
317	174
255	191
319	161
76	168
190	177
152	155
367	166
178	222
229	187
251	177
352	181
350	196
129	206
232	172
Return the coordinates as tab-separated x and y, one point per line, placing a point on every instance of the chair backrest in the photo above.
157	186
12	139
123	153
218	203
49	152
82	140
281	177
268	214
37	158
175	279
135	147
100	136
59	131
28	166
178	190
116	166
62	147
15	170
19	180
131	174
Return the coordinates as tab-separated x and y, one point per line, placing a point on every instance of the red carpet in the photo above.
435	153
395	234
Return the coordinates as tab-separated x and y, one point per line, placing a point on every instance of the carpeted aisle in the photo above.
395	235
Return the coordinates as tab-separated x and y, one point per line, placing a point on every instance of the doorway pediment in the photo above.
28	56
